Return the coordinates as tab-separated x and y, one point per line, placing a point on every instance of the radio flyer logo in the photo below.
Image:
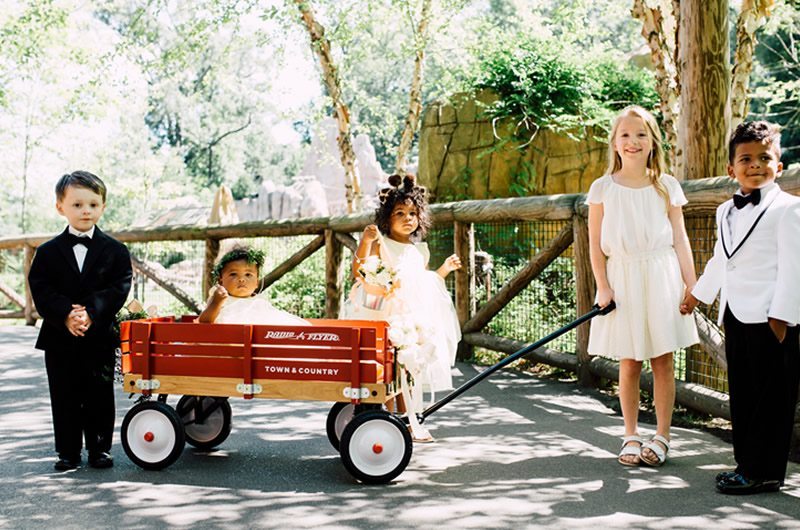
310	336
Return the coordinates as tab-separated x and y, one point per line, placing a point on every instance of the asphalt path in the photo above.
516	451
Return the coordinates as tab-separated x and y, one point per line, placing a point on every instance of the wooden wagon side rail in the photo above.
343	361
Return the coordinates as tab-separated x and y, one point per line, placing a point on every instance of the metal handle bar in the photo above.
596	310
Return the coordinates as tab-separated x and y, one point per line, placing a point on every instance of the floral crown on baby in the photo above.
250	255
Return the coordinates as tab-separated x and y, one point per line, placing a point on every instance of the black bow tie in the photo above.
740	201
78	240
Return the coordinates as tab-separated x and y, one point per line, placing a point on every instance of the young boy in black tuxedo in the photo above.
79	280
756	266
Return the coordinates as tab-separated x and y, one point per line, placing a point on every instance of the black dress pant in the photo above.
763	376
82	400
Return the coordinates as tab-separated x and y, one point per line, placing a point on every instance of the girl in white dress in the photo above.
642	260
419	305
234	301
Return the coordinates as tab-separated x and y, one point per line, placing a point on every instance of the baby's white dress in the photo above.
256	310
643	271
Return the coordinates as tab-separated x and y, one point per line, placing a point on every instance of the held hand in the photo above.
689	302
778	327
220	294
78	321
370	233
604	296
452	263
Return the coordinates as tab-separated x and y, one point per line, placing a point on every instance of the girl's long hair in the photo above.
655	160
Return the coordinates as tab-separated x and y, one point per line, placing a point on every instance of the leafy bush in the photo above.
302	291
543	83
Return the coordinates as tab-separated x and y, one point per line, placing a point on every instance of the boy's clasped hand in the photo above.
78	321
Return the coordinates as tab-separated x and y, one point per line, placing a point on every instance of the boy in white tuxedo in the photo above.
756	270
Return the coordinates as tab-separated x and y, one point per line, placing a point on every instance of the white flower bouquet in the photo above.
378	281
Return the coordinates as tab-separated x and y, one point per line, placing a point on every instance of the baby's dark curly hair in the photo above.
403	190
247	254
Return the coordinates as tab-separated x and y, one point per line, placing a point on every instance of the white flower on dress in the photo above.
411	341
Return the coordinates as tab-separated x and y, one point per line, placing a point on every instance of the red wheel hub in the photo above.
377	448
148	436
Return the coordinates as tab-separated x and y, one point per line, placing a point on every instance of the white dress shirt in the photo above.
80	250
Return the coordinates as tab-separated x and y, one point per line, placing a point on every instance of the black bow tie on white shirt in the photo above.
740	201
79	240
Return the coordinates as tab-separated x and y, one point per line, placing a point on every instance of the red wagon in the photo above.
342	361
348	362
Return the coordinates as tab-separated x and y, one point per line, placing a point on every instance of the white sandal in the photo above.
628	449
655	446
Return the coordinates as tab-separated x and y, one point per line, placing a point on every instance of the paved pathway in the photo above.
515	452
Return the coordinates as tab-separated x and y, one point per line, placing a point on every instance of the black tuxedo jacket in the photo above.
102	287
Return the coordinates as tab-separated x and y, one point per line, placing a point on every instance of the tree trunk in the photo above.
330	75
705	117
753	15
334	275
659	30
415	96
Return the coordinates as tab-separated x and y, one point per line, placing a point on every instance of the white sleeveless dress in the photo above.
256	310
421	298
643	271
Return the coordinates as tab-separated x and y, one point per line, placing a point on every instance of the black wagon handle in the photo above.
595	311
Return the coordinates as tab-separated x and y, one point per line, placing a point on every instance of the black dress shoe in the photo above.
66	464
725	475
741	485
100	461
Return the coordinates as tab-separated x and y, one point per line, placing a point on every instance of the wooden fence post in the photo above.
584	296
464	244
212	249
334	274
30	320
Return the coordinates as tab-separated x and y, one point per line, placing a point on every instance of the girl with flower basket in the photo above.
394	284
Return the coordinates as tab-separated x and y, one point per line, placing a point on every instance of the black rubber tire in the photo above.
376	447
340	415
216	427
162	425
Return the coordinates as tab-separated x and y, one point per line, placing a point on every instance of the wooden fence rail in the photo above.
334	234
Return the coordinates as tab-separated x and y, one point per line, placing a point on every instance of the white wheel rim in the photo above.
206	431
377	447
151	436
344	417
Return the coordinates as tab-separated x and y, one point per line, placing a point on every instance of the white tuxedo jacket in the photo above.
758	271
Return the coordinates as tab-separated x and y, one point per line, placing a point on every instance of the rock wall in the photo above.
461	156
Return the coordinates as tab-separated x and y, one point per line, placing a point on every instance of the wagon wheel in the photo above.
339	416
152	435
206	420
375	447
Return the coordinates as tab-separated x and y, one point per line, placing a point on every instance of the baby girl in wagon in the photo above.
234	301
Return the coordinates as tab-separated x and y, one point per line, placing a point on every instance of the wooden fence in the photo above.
335	235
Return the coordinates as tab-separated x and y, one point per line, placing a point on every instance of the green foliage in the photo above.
126	314
543	83
523	181
776	78
302	291
24	38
